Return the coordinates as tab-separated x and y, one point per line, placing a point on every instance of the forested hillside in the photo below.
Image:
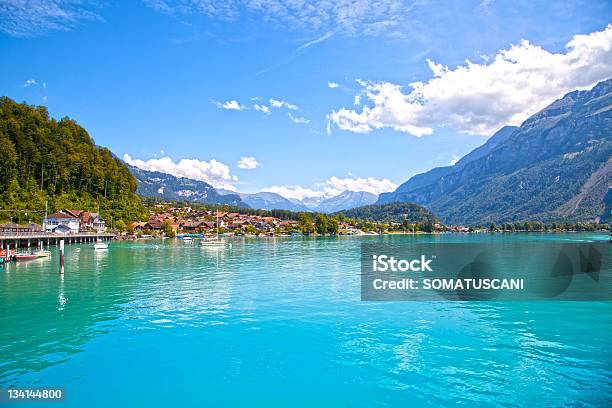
392	212
46	159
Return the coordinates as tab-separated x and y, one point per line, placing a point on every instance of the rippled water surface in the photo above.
278	322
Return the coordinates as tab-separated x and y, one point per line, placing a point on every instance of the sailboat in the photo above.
99	245
213	241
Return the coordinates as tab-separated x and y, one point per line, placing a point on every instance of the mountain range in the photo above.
346	200
271	201
343	201
556	166
169	187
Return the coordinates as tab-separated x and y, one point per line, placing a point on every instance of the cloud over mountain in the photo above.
334	186
481	98
213	172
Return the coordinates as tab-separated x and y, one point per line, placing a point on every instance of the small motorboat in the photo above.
187	238
25	257
99	245
43	253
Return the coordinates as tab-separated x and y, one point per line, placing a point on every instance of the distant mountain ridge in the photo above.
169	187
346	200
555	166
271	201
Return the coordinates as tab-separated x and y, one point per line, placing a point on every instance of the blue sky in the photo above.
165	81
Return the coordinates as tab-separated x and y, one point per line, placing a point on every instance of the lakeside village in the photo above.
172	220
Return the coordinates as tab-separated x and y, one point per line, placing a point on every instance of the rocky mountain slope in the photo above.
169	187
556	166
346	200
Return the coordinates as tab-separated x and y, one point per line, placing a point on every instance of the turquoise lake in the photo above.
279	322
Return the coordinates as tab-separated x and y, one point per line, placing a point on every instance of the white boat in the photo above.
188	239
43	253
213	241
100	245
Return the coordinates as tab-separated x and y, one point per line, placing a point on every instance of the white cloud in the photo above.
357	100
213	172
481	98
275	103
44	98
334	186
262	108
20	18
454	160
368	184
332	85
229	105
294	192
350	17
29	82
297	119
248	162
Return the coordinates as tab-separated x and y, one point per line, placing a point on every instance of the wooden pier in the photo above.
13	240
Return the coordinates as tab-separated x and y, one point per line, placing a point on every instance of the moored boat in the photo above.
213	241
25	257
43	253
100	245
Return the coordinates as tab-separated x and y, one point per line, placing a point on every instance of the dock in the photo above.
16	240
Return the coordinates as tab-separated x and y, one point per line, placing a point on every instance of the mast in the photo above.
45	220
99	218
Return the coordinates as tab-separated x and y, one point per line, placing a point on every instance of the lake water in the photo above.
279	322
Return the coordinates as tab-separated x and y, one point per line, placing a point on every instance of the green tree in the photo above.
305	223
120	225
321	223
250	229
332	226
167	229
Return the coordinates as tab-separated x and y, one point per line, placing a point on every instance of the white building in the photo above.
66	220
